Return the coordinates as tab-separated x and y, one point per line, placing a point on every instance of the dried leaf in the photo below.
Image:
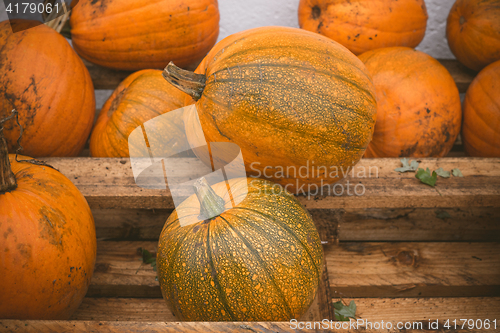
443	173
407	165
456	172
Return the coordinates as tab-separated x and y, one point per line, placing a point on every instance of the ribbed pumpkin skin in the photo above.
142	96
48	84
142	34
260	261
48	245
473	32
288	97
481	126
419	112
364	25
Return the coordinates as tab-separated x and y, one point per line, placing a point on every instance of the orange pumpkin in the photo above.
299	105
481	126
141	34
48	247
473	32
139	98
45	80
365	25
419	112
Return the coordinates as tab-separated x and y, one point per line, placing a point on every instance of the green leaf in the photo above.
443	173
407	166
148	258
442	214
343	313
456	172
426	177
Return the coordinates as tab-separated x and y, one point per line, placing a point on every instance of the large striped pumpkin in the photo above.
291	99
141	34
259	261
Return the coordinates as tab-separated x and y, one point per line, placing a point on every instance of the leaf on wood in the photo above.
148	258
456	172
343	313
426	177
442	214
443	173
407	165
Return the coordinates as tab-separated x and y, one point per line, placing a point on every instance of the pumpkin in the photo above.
48	247
365	25
133	35
139	98
419	112
48	84
481	126
258	261
473	32
299	105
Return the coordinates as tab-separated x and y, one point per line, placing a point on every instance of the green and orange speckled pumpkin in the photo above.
142	96
364	25
48	241
143	34
258	261
419	112
289	98
473	32
481	126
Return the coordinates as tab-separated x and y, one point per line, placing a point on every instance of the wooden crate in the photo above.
390	250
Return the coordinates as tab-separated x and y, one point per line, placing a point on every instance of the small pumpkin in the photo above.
365	25
48	84
258	261
142	96
419	112
481	126
473	32
292	100
48	241
141	34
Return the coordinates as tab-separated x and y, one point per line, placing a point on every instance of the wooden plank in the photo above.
414	269
369	224
104	78
420	310
109	183
354	270
462	75
29	326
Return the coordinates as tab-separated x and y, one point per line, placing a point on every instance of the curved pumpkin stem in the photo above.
191	83
211	205
7	178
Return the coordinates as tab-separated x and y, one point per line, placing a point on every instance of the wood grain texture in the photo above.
368	224
191	327
109	183
414	269
370	309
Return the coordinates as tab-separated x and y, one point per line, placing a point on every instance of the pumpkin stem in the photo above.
191	83
7	178
211	204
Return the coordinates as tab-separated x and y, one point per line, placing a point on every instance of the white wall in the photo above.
238	15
